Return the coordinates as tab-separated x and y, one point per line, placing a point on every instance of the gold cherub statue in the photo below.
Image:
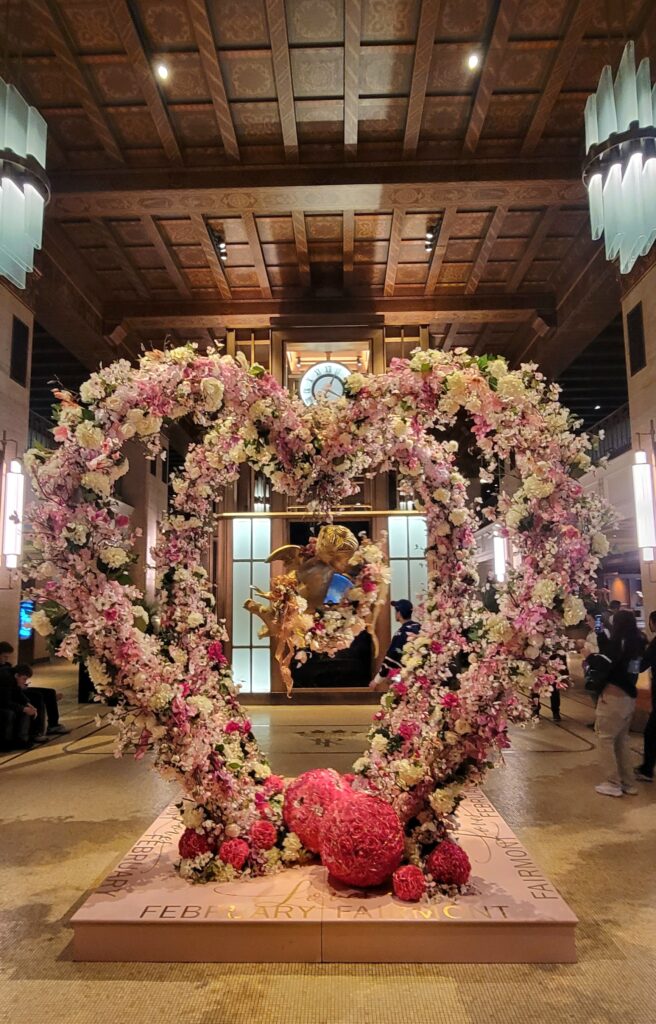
313	578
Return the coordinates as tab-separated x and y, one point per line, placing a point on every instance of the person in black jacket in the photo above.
14	700
408	627
624	648
645	771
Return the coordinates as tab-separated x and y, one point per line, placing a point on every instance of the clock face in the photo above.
323	380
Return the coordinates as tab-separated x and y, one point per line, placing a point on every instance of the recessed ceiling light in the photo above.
162	71
597	407
473	61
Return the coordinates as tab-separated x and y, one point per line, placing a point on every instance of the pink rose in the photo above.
400	689
436	647
232	726
234	852
368	586
122	521
450	700
274	784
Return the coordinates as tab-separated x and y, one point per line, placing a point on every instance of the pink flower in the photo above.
368	586
408	883
122	521
232	726
234	852
274	784
192	844
436	647
450	700
400	689
408	729
449	864
61	433
215	653
263	835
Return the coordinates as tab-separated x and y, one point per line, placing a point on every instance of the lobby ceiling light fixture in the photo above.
643	494
620	166
431	237
24	187
162	72
473	60
218	244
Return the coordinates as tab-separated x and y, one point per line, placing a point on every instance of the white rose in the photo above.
458	516
260	770
379	743
42	624
195	619
442	529
497	368
97	482
355	382
143	423
192	816
600	545
211	390
573	610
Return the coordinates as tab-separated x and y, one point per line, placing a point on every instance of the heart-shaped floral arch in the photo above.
442	720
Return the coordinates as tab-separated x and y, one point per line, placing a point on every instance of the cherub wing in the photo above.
288	554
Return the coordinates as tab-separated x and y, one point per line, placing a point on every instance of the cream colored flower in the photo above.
97	482
144	424
211	390
600	545
573	610
458	516
462	726
379	743
260	770
97	672
535	487
114	557
203	705
408	773
88	435
355	382
497	368
544	592
42	624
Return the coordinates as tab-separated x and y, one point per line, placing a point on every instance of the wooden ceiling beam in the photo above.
483	255
348	247
212	70
250	228
394	250
170	265
214	263
352	29
143	70
479	347
275	12
494	308
542	230
493	60
320	188
437	258
428	18
580	13
121	256
51	24
450	337
302	250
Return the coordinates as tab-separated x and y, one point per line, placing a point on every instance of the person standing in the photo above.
645	771
616	704
407	627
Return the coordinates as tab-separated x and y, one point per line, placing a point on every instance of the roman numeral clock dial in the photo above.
323	380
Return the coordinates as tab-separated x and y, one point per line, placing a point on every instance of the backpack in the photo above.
597	672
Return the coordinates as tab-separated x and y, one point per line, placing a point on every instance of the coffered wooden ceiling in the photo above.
321	138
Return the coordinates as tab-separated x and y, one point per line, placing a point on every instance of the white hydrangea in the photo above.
292	848
511	387
355	383
379	743
600	545
88	435
260	770
161	698
497	368
535	487
211	390
458	516
192	815
92	390
203	705
195	619
544	592
97	482
408	773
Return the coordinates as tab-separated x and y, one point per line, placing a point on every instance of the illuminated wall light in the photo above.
643	494
12	518
620	167
24	187
499	552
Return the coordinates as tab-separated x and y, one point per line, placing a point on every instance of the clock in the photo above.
323	380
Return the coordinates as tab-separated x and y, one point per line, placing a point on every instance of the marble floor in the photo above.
69	809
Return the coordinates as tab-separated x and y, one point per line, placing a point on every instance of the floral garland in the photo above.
448	711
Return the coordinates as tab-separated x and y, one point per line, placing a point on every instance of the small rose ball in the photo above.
307	800
449	864
273	785
409	883
263	835
192	844
362	840
234	852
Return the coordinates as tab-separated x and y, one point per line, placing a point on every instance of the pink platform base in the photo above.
143	911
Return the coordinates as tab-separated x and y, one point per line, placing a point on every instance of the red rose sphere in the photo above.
409	883
234	852
362	840
449	864
192	844
307	800
263	835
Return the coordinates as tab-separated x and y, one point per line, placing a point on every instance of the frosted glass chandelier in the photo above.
620	166
24	187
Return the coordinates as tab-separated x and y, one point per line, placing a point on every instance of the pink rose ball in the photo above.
409	883
362	840
307	800
192	844
263	835
234	852
273	785
449	864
